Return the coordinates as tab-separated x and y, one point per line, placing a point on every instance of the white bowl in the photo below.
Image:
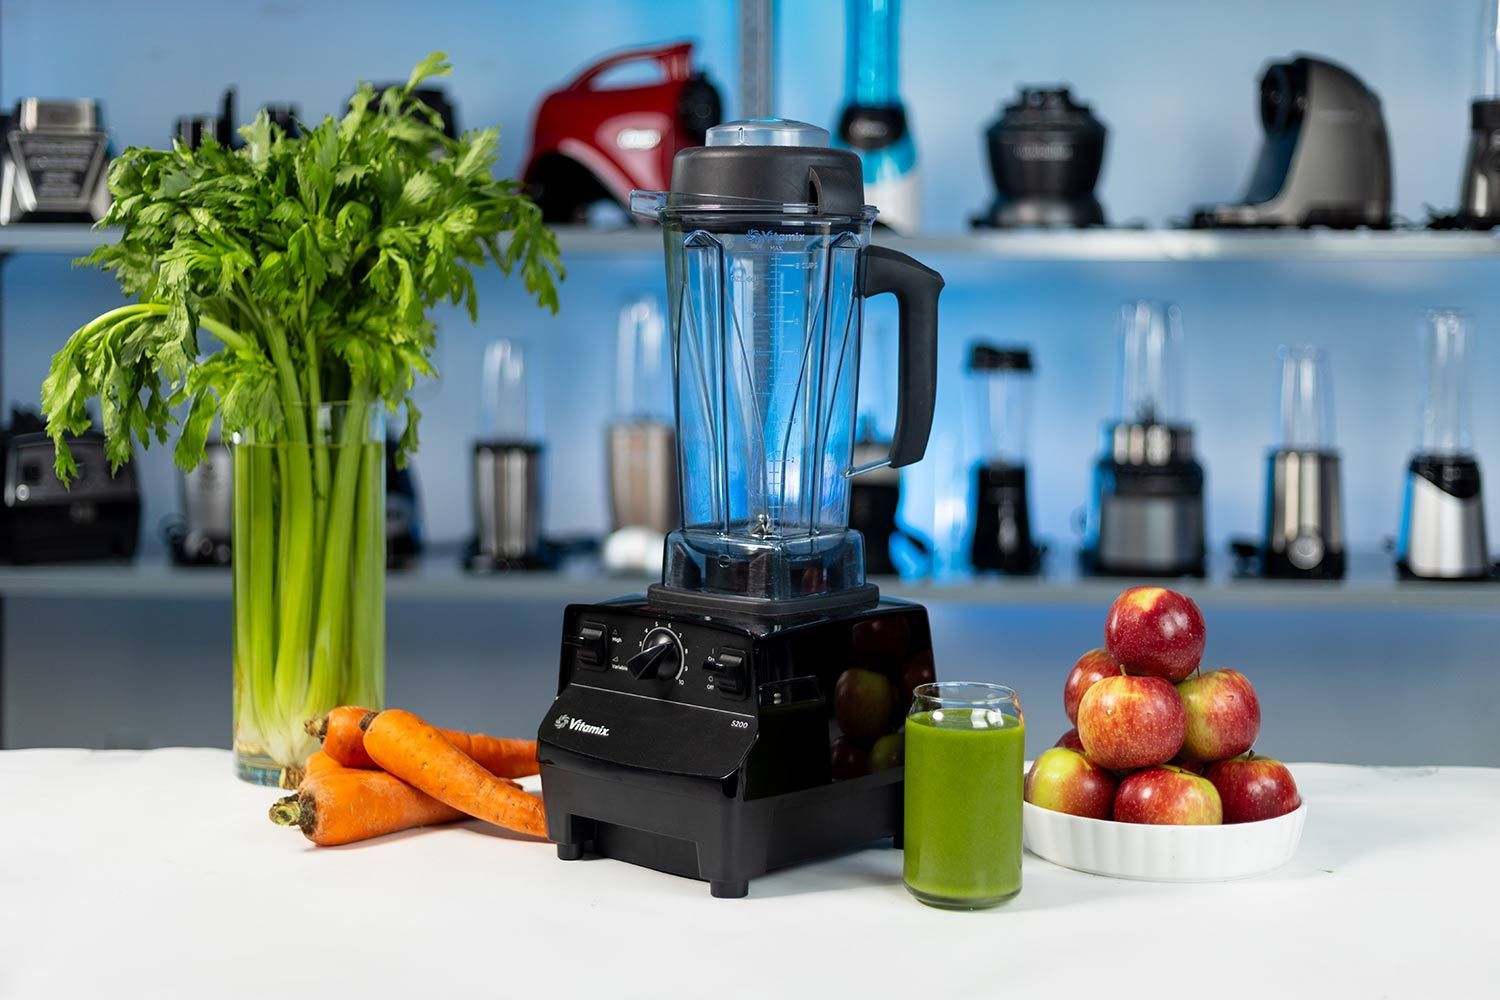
1163	853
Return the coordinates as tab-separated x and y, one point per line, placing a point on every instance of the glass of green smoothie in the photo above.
965	751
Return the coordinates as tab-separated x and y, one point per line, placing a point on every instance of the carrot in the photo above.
339	805
412	750
292	777
343	740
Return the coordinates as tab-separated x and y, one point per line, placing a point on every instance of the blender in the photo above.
744	713
640	443
1304	534
999	408
873	120
1479	190
1146	515
1442	519
507	470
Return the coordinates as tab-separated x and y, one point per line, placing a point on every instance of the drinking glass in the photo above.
965	748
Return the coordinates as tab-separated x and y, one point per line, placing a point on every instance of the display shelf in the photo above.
1372	585
1080	246
74	238
1122	245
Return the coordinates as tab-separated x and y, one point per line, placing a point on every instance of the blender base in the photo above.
733	764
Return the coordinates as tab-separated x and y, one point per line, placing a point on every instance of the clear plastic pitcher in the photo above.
768	264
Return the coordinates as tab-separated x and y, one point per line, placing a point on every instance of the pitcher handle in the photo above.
916	288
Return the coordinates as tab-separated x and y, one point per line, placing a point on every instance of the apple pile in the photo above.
1156	740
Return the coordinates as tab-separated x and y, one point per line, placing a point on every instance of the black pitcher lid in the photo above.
765	164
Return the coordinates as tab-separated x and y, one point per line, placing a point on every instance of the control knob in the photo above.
660	656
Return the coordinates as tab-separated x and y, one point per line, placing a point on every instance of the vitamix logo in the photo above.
771	238
573	725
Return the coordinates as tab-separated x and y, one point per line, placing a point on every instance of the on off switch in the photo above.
592	643
728	669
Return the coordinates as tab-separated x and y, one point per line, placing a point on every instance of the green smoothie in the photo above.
963	806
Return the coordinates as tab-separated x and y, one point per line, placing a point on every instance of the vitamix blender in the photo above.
744	714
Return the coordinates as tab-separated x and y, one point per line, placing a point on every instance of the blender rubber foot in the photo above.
569	852
728	889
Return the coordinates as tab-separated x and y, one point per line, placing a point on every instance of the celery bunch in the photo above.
312	261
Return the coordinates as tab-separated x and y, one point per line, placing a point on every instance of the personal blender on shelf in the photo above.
640	443
1304	528
507	470
873	120
1442	519
744	714
1146	515
1479	188
999	409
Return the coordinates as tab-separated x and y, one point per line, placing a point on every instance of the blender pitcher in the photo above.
768	263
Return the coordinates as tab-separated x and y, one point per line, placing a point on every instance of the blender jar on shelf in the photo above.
999	412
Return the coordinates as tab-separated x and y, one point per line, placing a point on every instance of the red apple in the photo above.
862	701
1155	632
1066	781
848	759
887	752
1094	665
1254	788
1070	740
1168	795
1223	715
1128	722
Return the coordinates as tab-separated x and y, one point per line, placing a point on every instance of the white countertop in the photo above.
157	874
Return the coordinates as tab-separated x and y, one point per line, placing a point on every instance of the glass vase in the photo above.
309	580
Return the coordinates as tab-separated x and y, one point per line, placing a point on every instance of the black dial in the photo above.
660	656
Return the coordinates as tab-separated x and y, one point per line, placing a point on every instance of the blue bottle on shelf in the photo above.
873	120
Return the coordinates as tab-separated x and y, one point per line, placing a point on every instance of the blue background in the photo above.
1175	80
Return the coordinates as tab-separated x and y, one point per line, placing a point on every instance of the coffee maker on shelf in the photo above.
1146	514
723	724
999	409
640	444
1442	517
507	472
1304	507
